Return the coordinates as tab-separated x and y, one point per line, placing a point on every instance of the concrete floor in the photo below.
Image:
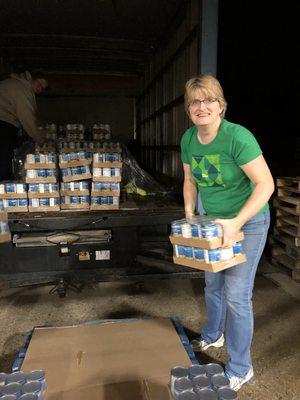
276	342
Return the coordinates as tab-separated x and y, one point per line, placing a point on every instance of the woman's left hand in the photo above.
231	228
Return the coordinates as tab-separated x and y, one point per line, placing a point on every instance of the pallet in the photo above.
286	261
289	182
291	204
285	242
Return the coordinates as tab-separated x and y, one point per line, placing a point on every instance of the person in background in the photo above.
223	161
18	109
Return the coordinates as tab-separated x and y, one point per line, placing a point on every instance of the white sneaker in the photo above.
237	382
201	344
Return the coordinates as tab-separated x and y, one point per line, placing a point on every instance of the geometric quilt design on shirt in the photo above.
207	170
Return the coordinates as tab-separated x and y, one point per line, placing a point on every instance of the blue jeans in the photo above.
228	298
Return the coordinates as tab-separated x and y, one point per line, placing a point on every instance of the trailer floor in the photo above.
276	344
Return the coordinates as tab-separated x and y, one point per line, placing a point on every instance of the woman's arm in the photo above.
259	174
189	192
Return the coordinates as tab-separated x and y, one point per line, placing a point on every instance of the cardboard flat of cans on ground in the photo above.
44	208
17	209
49	179
113	193
126	360
203	243
75	206
98	207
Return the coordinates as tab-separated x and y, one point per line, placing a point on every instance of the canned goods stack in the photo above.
101	132
21	385
75	131
200	382
107	175
198	244
75	195
75	166
43	197
5	235
41	168
14	196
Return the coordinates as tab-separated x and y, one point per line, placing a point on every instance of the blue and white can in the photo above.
21	188
226	253
188	252
3	229
34	203
209	231
84	199
50	172
115	186
104	200
84	169
74	199
53	201
196	230
12	202
41	173
33	187
212	256
22	203
198	254
45	202
10	187
238	248
31	173
176	229
37	375
37	157
181	250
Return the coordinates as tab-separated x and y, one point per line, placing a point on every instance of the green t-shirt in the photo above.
215	166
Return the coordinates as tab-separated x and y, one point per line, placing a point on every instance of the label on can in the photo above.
198	253
209	231
212	256
176	229
188	251
22	202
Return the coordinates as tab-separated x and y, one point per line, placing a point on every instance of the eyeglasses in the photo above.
206	102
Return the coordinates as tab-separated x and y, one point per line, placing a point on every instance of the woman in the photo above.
224	162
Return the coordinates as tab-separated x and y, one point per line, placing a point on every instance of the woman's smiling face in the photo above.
204	109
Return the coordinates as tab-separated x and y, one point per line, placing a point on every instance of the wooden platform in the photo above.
285	241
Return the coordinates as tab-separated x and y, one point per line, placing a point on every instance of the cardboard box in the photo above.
85	192
212	267
49	179
43	208
17	209
113	193
126	360
107	178
203	243
40	166
13	195
107	164
75	206
80	177
98	207
74	163
45	195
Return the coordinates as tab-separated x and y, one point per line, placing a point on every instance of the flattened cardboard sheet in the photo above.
126	360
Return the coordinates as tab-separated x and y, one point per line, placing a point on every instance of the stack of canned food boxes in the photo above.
197	244
5	235
75	170
107	175
41	176
14	196
200	382
21	385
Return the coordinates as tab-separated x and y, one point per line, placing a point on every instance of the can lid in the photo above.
182	384
197	370
16	377
207	394
201	382
220	380
3	375
179	372
213	369
187	395
11	388
32	387
36	375
227	394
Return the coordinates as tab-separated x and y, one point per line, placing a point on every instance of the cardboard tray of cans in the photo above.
49	179
49	165
13	195
107	178
113	193
74	163
75	206
17	209
80	177
109	150
36	195
212	267
84	192
203	243
44	208
98	207
107	164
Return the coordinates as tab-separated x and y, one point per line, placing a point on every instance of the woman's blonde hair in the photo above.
210	87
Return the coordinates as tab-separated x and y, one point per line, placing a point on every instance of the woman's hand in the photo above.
231	227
